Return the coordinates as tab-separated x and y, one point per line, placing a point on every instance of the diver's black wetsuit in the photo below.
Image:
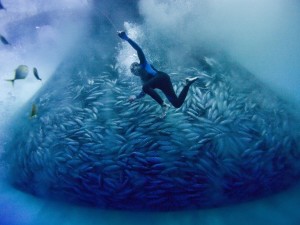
163	82
152	79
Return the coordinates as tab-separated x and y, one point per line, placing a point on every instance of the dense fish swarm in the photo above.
233	140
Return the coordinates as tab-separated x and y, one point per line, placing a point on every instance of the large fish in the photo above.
3	39
1	6
36	74
20	73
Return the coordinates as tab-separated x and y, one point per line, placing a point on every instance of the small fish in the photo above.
1	6
3	39
36	74
33	111
20	73
91	81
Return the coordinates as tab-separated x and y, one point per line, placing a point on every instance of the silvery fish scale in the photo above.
233	140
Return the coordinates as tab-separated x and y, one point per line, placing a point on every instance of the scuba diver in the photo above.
152	79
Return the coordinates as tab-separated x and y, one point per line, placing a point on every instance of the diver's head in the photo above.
136	69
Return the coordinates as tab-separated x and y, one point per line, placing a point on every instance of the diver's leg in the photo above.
148	88
167	88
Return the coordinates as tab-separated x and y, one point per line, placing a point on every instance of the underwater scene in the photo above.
180	111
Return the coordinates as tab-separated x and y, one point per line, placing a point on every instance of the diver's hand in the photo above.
123	35
132	98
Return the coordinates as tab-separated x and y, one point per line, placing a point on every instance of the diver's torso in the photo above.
159	77
145	77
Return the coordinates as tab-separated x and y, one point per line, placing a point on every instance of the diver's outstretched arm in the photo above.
140	52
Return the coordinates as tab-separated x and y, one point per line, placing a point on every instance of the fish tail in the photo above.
12	82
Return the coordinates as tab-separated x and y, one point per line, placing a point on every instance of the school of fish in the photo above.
233	140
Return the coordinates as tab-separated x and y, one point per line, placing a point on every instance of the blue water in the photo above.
18	208
213	32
